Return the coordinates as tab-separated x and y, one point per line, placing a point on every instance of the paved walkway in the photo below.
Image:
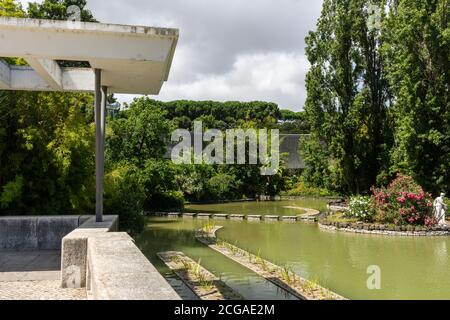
34	276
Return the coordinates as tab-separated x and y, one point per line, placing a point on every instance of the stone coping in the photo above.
75	247
364	228
118	270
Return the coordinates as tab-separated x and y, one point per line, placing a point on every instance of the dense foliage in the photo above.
378	98
46	139
378	103
417	61
140	135
347	97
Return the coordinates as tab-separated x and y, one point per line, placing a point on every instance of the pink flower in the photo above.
401	199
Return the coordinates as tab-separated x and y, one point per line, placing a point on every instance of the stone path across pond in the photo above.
307	215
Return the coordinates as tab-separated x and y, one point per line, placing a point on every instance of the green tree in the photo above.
46	153
57	10
46	148
11	8
347	95
140	133
417	55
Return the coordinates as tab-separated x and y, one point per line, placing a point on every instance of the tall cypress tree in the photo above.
347	97
417	55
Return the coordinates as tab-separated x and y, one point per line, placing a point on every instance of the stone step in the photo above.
271	218
174	214
189	215
204	216
254	217
237	217
220	216
289	218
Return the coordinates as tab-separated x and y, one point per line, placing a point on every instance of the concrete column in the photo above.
100	124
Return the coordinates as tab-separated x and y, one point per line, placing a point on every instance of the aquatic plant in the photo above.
186	264
286	274
197	269
209	227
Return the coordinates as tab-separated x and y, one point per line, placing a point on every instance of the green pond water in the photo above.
411	268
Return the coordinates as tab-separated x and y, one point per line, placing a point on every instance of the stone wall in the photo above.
36	232
384	230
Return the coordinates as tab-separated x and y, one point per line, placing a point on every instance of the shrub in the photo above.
361	208
404	183
301	189
124	196
165	201
404	202
221	186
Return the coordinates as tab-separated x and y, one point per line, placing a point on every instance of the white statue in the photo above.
439	209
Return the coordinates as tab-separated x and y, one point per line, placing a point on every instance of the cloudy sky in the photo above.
228	49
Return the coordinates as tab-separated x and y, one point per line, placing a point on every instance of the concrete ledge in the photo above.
74	250
117	270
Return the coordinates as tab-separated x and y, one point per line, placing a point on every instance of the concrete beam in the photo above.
133	59
72	79
48	70
5	75
81	41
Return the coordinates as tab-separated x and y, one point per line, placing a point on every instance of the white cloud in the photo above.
276	77
228	49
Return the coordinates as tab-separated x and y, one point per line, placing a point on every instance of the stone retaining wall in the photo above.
36	232
372	230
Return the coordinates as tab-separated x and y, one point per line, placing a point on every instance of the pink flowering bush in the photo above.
404	202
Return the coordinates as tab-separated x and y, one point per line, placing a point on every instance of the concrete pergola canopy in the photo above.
133	59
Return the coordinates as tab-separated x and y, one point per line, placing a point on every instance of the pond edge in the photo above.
365	229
